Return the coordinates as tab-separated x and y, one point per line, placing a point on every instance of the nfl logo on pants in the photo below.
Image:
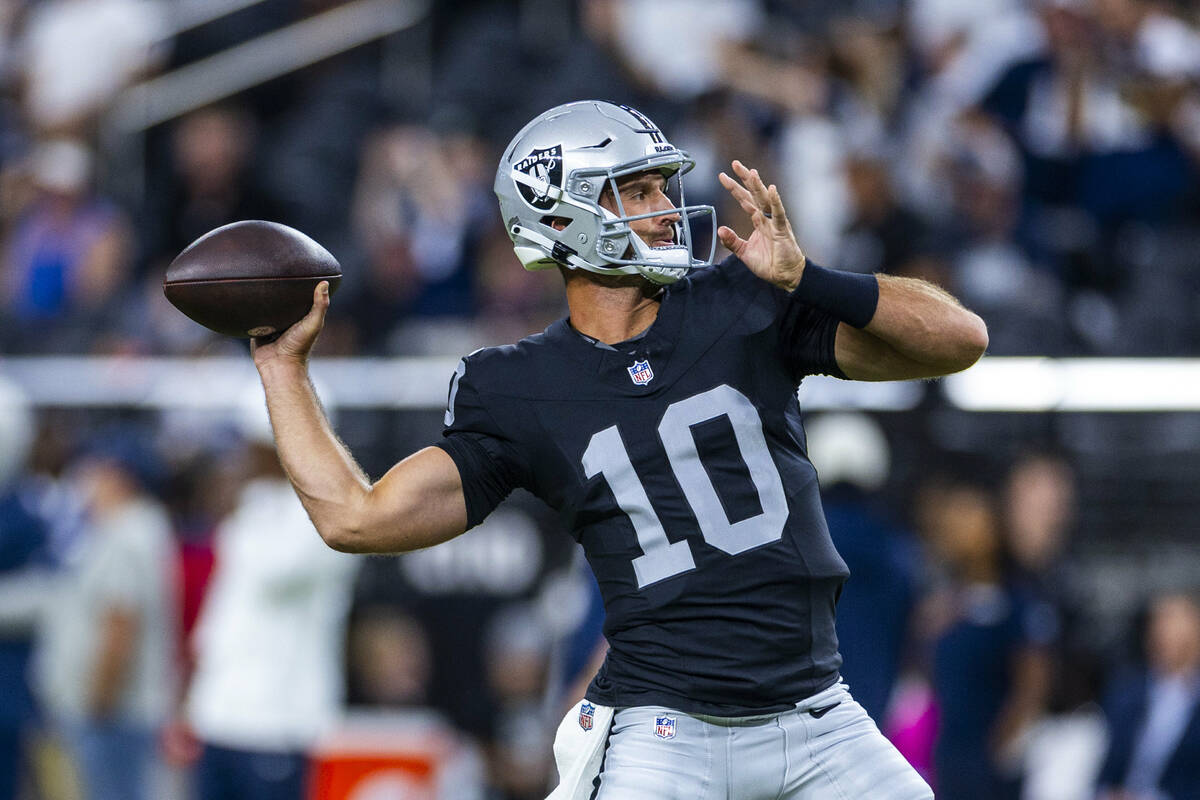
587	715
664	727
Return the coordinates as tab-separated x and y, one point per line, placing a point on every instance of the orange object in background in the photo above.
413	755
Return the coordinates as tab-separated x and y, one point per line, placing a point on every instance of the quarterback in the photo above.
660	418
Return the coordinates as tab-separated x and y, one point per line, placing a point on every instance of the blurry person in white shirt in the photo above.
269	643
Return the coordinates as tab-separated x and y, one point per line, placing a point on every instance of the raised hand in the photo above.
771	252
295	343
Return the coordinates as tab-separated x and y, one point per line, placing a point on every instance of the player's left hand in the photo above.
771	252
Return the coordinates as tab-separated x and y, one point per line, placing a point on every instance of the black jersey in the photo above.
678	462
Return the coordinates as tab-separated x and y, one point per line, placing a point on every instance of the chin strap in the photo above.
548	253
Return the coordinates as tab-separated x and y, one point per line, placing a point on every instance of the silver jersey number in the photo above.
606	455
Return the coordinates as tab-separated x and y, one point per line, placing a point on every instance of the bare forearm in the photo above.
114	652
418	503
916	330
332	487
927	325
1026	699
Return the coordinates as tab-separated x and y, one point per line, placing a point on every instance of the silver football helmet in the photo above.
558	166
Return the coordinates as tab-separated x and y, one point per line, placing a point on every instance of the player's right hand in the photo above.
294	344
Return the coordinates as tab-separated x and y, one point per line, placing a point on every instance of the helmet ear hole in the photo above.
558	223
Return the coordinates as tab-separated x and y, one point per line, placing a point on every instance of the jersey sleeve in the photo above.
488	459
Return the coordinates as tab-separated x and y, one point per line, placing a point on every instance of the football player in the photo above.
660	418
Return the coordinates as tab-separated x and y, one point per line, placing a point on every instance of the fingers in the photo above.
754	183
299	338
760	201
739	193
733	243
315	318
744	199
778	212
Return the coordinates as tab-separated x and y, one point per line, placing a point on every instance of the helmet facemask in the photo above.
621	246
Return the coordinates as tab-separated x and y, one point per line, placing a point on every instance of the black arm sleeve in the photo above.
806	334
807	338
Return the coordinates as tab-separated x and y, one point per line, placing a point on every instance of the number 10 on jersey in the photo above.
661	558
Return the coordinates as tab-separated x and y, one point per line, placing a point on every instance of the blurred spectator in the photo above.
26	583
316	144
808	145
959	50
691	65
1154	713
77	54
882	235
422	203
479	601
518	660
107	656
211	183
269	643
992	269
1039	515
66	256
1039	512
1065	746
990	672
1154	41
389	660
853	460
1158	55
513	302
485	53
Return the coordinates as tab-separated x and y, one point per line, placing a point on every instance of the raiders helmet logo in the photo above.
545	167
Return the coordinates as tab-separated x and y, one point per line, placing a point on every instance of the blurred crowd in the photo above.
166	608
1037	157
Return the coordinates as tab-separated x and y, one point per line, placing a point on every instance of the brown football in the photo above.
249	278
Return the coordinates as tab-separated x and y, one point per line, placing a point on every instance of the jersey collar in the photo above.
610	363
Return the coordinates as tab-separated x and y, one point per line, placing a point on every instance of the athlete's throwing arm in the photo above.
661	420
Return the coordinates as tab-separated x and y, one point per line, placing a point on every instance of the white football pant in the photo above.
826	748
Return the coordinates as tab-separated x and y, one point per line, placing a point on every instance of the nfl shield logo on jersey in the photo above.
587	715
664	727
641	372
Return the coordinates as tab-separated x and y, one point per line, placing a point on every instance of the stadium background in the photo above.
1038	158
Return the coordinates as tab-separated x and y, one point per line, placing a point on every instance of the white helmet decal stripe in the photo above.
651	128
